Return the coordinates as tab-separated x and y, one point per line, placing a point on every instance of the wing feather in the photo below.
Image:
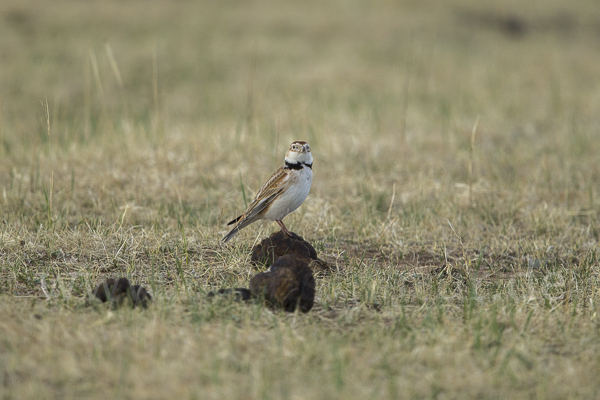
270	191
276	184
277	181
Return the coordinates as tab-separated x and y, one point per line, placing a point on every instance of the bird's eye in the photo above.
307	148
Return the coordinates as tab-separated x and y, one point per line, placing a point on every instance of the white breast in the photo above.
293	197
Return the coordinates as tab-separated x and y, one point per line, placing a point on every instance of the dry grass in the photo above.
463	266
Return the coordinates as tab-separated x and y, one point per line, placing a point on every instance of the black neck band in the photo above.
299	165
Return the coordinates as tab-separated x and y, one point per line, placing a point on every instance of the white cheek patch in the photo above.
304	157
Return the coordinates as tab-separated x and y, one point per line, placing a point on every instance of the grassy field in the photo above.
456	197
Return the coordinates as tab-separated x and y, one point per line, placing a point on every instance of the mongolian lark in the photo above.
283	193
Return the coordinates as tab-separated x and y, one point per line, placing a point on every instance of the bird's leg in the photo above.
284	229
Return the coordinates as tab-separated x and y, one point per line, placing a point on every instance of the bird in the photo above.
283	193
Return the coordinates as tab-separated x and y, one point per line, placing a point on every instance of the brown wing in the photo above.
271	190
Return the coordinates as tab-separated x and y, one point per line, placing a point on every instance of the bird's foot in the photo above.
284	229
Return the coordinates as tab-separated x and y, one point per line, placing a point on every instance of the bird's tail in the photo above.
240	225
233	221
230	234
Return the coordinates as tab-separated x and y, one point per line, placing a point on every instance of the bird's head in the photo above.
299	152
